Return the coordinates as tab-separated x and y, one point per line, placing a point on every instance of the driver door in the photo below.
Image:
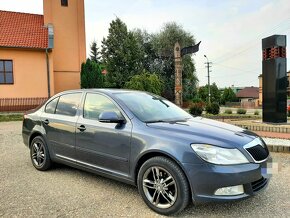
102	146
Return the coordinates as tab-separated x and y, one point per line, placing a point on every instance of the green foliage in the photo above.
228	111
91	75
145	82
11	117
215	93
241	111
196	109
197	100
228	96
159	53
95	54
127	53
121	54
212	108
256	112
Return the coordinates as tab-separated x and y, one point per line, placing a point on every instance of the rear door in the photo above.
59	120
103	146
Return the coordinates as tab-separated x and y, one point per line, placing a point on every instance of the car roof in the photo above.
107	91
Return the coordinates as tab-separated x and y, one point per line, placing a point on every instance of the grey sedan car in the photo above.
145	140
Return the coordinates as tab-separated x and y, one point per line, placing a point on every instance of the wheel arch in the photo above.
154	153
33	135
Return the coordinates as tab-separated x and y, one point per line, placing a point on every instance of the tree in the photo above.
215	93
144	40
121	54
95	54
228	96
163	46
91	75
145	82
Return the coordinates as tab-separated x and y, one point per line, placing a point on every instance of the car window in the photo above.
95	104
50	107
68	104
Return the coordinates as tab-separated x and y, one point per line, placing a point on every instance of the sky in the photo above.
230	31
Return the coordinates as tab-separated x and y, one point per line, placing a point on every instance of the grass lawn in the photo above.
10	117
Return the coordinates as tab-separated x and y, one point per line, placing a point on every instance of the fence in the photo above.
19	104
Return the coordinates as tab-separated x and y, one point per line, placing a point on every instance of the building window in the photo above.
6	72
64	3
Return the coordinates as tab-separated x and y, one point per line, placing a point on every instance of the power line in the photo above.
252	43
235	68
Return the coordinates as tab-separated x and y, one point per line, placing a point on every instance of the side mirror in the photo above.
111	117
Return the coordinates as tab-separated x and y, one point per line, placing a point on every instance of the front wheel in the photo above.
163	186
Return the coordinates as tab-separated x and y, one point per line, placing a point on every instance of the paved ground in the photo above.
66	192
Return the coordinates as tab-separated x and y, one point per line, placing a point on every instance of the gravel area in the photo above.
280	142
68	192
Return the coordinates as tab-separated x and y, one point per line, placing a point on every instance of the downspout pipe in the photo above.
50	46
48	73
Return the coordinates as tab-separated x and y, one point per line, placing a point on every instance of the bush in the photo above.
146	81
196	109
197	100
256	112
228	111
241	111
212	108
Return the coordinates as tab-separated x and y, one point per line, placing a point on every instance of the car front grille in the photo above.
258	152
259	184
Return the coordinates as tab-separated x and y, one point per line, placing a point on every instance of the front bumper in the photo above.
206	178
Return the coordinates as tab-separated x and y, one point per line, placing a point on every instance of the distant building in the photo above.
249	96
236	89
41	55
261	87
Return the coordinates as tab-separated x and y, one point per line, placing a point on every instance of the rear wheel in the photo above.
39	154
163	186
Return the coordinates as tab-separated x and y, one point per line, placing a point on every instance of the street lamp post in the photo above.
208	77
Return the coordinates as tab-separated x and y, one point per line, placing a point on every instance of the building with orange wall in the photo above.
41	55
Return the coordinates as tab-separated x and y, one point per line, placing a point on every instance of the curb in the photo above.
279	148
265	128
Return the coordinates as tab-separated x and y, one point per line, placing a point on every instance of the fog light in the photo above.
231	190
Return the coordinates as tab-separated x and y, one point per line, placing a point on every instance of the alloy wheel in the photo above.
159	187
38	154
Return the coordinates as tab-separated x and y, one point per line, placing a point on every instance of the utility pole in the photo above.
208	66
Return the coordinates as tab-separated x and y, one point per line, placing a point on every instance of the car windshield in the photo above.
151	108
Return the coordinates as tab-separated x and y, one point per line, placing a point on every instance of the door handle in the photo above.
82	128
46	121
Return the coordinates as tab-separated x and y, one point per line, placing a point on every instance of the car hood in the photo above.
202	130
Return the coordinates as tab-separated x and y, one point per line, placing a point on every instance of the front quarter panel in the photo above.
145	141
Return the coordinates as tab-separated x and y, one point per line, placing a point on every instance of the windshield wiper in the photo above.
157	121
167	121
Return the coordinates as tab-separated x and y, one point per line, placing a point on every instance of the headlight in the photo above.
217	155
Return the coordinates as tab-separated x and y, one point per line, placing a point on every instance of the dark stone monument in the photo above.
274	79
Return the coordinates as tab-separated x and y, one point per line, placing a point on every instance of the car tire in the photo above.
163	186
39	154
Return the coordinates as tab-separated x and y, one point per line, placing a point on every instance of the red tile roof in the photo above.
22	30
248	92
